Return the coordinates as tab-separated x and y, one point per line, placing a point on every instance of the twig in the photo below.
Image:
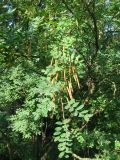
92	15
68	8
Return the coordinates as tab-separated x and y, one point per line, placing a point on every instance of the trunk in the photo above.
37	148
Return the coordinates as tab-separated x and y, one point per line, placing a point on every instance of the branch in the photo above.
95	30
92	15
68	8
86	123
76	156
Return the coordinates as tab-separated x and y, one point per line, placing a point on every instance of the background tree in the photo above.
59	79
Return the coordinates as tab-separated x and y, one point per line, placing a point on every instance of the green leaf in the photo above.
72	101
67	156
58	129
63	135
75	113
56	139
86	118
75	104
59	123
80	107
84	112
71	109
67	107
57	133
61	155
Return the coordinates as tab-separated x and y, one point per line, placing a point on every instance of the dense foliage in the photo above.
59	79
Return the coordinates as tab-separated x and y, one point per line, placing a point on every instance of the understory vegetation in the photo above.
59	79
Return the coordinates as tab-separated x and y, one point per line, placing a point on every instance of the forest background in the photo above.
59	79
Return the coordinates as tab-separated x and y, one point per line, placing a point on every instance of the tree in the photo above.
59	79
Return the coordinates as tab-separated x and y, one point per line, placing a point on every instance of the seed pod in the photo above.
69	92
53	80
74	69
62	109
78	83
62	105
69	71
64	75
74	75
52	61
54	100
57	75
70	86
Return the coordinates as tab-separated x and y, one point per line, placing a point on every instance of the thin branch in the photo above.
86	123
92	15
79	158
68	8
76	156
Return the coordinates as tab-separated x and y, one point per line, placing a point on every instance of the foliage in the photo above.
59	79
